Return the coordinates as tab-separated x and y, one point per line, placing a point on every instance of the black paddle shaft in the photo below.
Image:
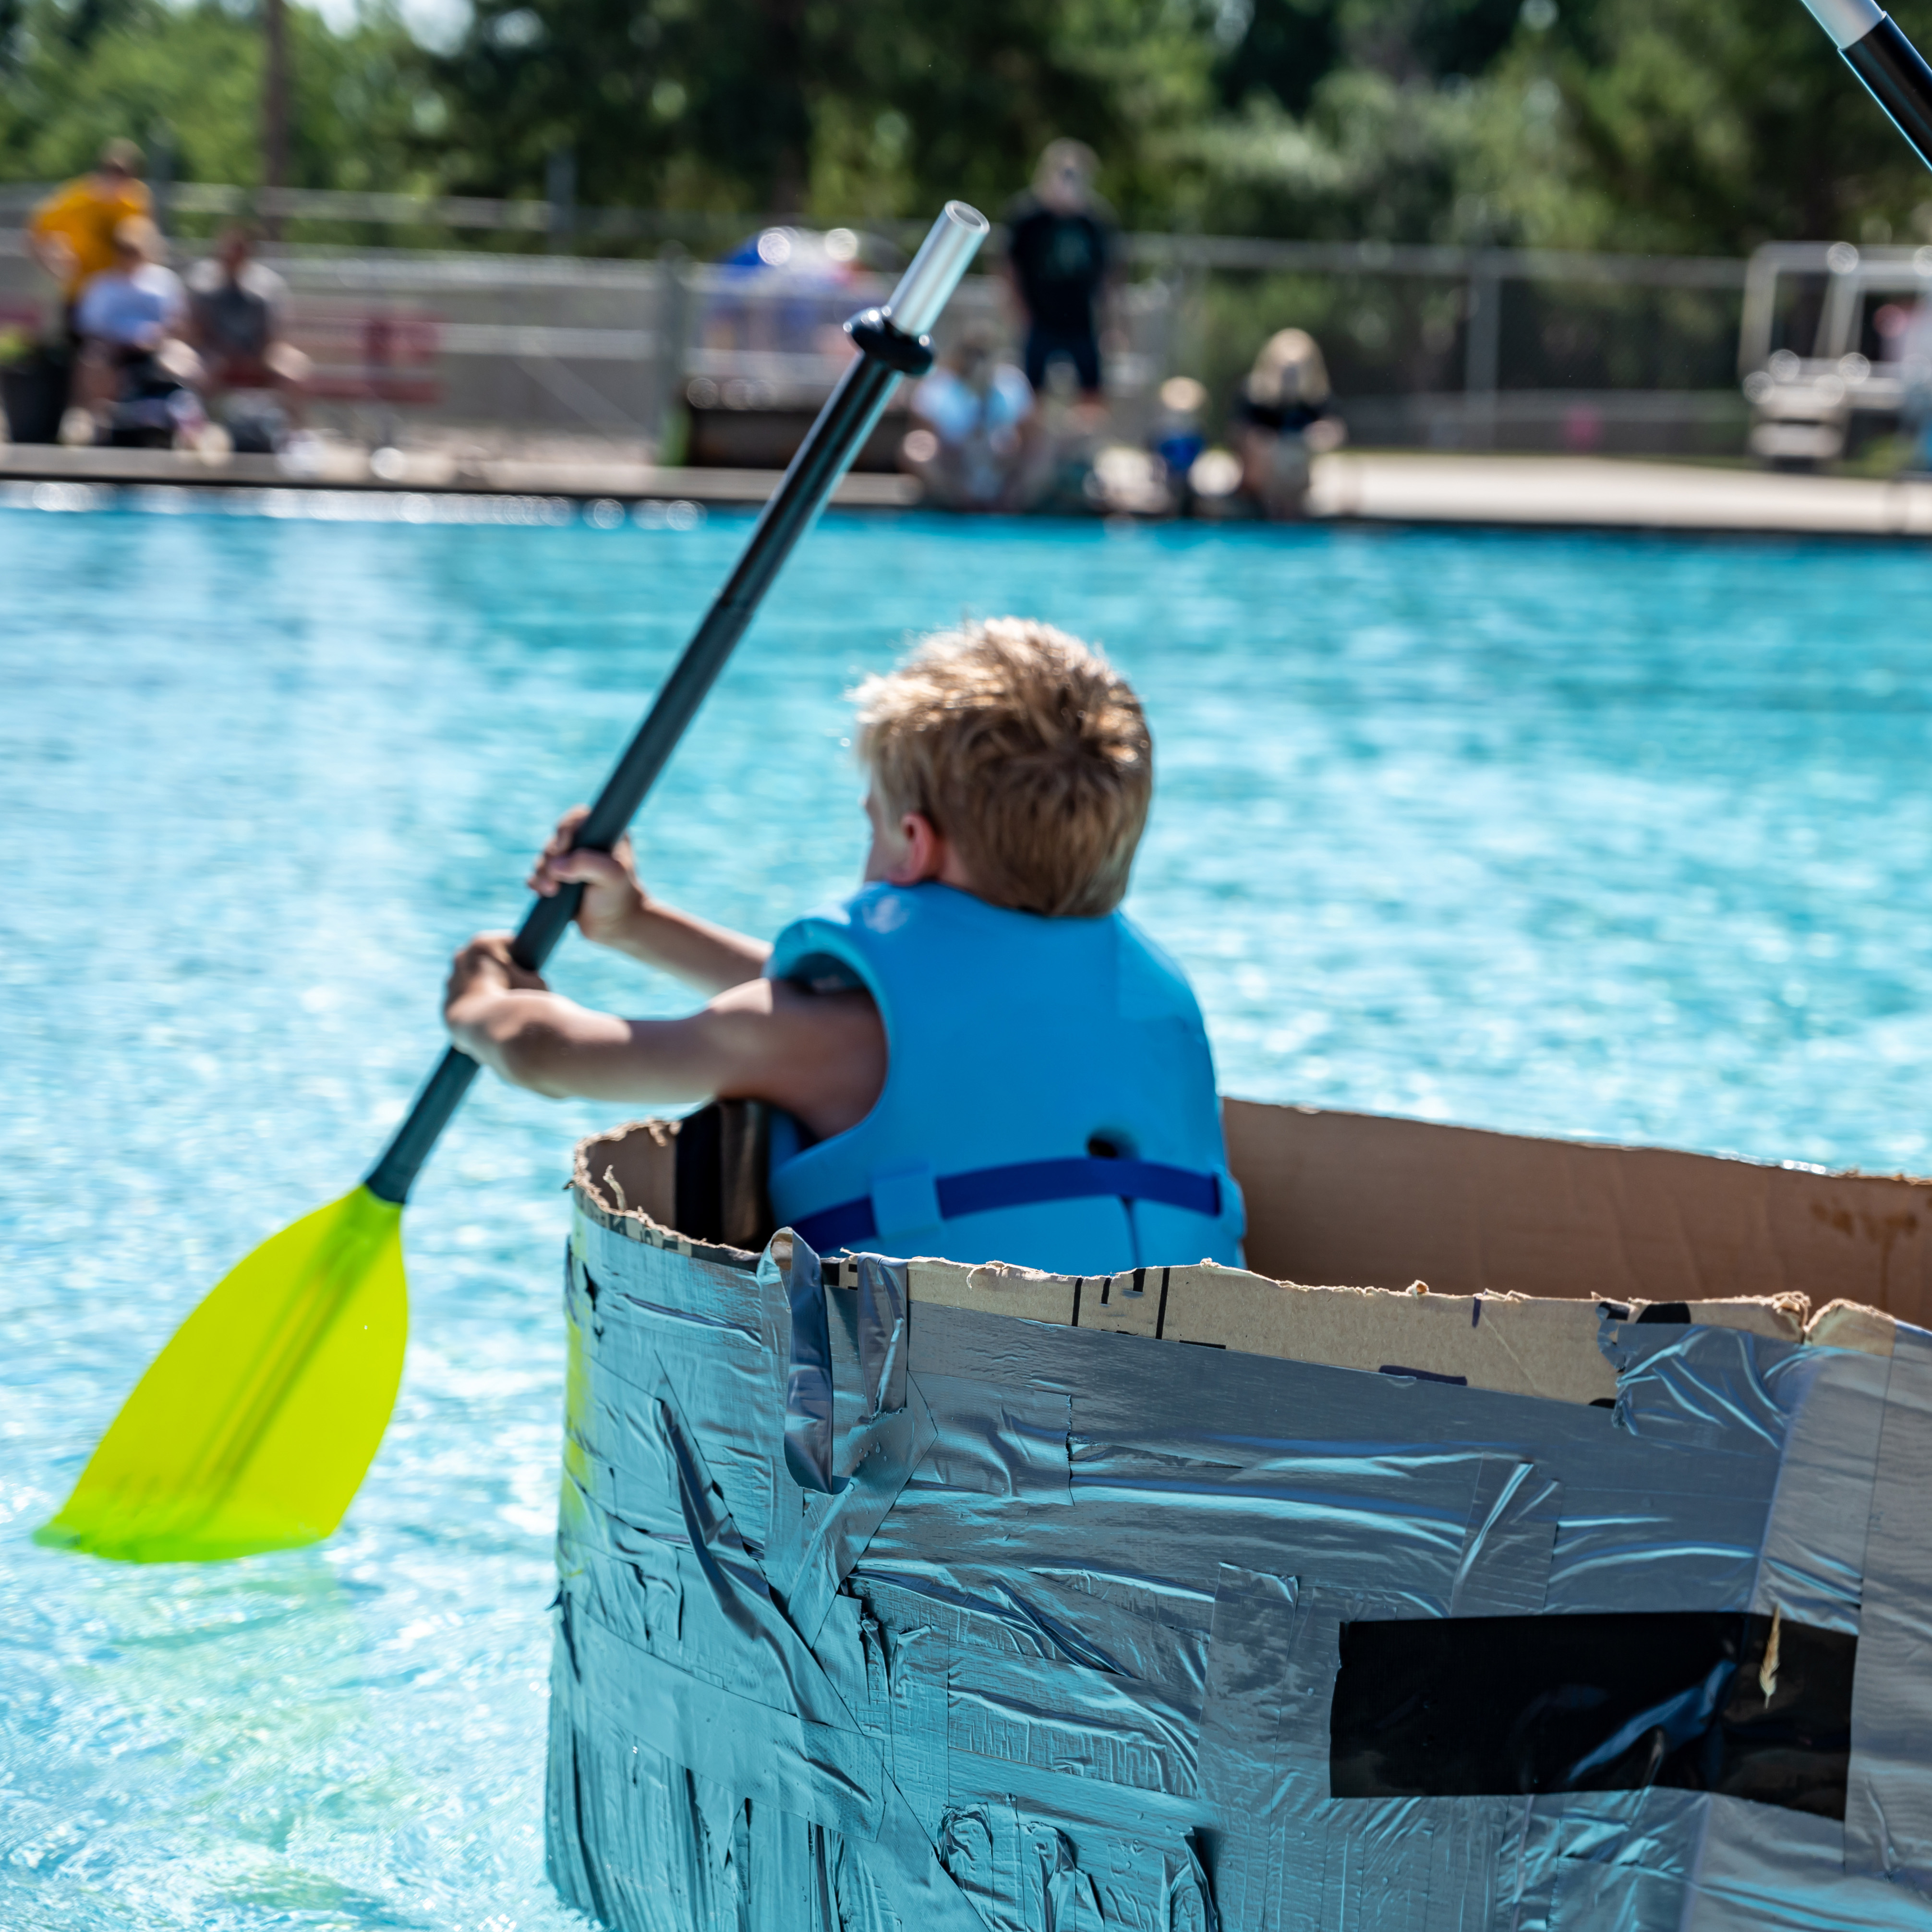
843	424
1878	53
1890	66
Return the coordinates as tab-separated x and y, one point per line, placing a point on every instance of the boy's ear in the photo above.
922	854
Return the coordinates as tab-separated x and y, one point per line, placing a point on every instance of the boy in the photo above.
976	1054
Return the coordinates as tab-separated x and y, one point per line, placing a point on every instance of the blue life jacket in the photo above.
1049	1097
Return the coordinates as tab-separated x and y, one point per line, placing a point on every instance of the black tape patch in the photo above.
1494	1706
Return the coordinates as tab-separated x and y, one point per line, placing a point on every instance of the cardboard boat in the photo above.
1584	1587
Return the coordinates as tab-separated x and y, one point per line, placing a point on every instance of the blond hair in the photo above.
1027	751
1289	370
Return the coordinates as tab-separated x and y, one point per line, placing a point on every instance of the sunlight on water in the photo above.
1628	838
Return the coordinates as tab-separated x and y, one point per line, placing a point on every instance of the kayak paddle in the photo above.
253	1428
1871	44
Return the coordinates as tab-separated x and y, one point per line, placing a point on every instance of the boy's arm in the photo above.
617	911
821	1057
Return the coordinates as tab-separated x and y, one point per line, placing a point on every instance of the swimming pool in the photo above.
1628	838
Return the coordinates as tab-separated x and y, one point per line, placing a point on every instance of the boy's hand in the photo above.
612	900
484	966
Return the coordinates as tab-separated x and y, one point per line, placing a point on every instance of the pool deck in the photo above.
431	472
1606	493
1549	493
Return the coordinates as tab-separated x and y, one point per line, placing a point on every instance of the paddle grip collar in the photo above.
874	331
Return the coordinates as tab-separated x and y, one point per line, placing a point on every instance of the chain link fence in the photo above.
531	334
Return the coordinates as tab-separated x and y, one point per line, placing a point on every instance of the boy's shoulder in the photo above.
1147	979
1152	981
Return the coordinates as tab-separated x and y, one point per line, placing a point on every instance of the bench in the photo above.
361	356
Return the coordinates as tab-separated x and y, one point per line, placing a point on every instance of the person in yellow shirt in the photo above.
72	232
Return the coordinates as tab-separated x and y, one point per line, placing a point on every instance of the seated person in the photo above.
1281	421
129	319
975	438
235	307
1178	438
974	1056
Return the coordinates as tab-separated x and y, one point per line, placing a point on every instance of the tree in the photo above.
1663	125
1673	125
1643	125
192	77
835	106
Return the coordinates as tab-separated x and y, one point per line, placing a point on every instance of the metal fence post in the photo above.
674	309
560	190
1482	348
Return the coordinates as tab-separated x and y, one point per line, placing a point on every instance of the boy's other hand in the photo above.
485	966
612	897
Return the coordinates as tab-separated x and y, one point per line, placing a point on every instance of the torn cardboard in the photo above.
1376	1202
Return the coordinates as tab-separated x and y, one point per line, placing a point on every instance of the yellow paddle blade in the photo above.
253	1427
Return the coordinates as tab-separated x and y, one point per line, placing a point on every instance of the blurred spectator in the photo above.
71	233
1906	333
236	308
975	434
1060	251
1177	439
1281	421
786	289
130	319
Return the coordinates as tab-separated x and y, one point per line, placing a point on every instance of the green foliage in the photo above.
1672	125
1373	158
831	106
1650	124
1675	125
190	77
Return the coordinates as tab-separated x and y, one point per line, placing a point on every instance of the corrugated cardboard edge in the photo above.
1781	1317
1511	1344
1850	1324
625	1180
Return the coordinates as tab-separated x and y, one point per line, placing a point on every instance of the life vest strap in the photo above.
1027	1183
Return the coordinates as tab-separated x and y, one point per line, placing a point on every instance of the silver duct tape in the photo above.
1713	1390
1250	1687
1504	1570
824	1772
1598	1862
813	1547
1022	1872
1888	1806
1300	1859
882	1338
1184	1458
1054	1644
740	1700
1813	1564
705	1328
994	1441
1761	1869
1056	1620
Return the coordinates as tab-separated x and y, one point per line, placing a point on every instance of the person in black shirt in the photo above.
1060	250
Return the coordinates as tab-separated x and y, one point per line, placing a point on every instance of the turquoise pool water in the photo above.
1630	839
